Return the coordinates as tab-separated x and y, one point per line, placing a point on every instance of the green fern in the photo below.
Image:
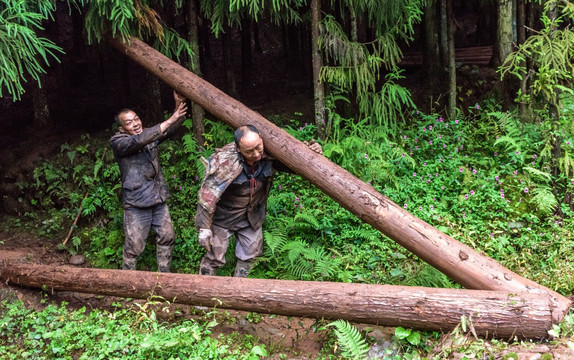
274	241
362	233
544	199
306	219
537	175
353	345
294	249
428	276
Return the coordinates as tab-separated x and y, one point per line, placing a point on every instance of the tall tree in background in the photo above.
451	60
504	33
432	64
193	18
318	87
550	52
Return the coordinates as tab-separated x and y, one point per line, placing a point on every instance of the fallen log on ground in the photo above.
497	314
460	262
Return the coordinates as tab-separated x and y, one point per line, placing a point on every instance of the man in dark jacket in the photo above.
144	189
233	200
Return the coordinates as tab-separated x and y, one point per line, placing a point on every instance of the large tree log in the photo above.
460	262
493	313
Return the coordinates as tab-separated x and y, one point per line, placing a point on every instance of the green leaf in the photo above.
402	333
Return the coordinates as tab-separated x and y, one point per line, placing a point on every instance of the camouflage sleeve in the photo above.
203	218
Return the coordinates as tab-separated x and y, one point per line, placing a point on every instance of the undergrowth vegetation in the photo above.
487	178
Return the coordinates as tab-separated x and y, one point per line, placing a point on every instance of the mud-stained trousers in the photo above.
137	224
249	245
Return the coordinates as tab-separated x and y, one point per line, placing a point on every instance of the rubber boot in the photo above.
242	268
206	269
129	264
164	258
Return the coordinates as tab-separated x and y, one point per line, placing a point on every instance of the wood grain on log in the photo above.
493	313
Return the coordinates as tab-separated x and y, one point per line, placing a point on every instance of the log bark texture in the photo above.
460	262
499	314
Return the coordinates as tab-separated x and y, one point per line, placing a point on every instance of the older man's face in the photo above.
251	147
131	123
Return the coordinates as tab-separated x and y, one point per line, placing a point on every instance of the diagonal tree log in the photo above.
460	262
492	313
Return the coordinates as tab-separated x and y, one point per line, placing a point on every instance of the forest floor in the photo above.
296	337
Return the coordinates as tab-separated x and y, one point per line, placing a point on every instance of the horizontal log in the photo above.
497	314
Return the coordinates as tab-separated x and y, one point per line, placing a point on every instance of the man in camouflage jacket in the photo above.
233	200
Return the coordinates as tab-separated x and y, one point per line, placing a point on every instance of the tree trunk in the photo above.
503	44
246	56
40	104
554	111
431	53
443	43
228	58
197	112
520	38
152	96
451	61
317	63
464	265
490	313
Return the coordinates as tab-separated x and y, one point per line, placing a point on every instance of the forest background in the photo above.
461	112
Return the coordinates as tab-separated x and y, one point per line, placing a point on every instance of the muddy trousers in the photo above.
137	224
249	244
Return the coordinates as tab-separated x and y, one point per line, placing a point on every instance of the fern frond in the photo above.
544	199
306	219
274	240
353	345
428	276
509	143
294	249
538	175
300	268
361	233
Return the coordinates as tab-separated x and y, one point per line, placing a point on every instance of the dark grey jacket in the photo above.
143	184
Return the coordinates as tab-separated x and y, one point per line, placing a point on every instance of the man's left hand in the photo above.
315	146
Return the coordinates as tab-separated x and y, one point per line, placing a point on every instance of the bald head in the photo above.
249	143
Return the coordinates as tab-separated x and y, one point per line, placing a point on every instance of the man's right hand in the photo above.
205	238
